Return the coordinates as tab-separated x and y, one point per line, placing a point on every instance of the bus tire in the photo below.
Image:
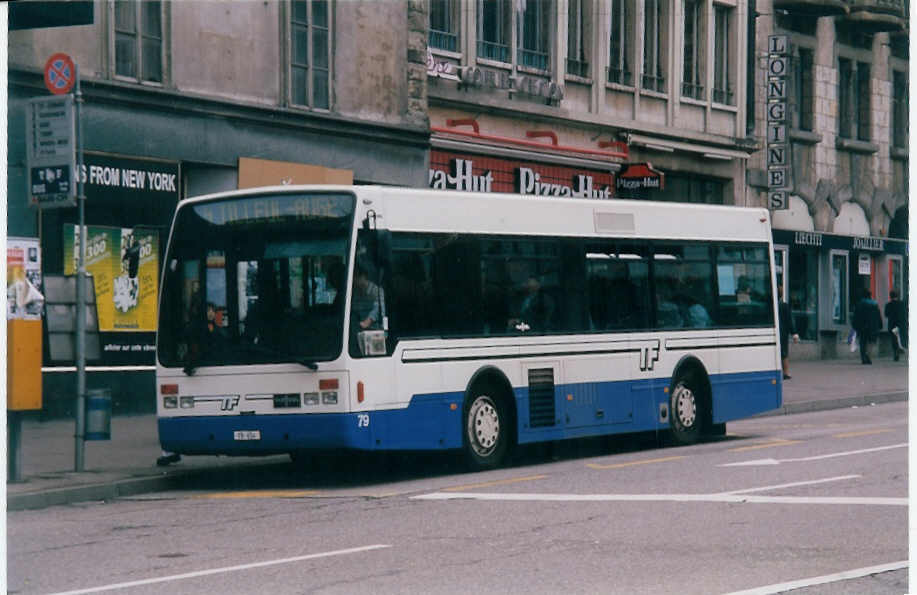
687	407
486	430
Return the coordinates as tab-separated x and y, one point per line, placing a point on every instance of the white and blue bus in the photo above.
297	319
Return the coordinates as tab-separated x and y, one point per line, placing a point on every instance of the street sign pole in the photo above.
80	288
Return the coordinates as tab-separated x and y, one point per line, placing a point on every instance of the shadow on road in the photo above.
353	469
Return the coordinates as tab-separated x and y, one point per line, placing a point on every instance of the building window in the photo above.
621	38
805	89
494	19
853	99
899	110
692	84
535	34
309	63
654	24
138	40
579	37
723	57
444	18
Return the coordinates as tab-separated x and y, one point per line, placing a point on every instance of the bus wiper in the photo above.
287	357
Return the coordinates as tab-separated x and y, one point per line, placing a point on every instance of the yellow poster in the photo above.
124	264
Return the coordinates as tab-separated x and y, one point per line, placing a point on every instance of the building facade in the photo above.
847	125
187	98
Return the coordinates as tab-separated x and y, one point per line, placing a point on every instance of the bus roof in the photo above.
450	211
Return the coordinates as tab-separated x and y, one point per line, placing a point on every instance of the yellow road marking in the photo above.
260	494
633	463
862	433
772	443
488	484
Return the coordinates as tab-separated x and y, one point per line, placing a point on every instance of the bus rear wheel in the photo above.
687	410
486	431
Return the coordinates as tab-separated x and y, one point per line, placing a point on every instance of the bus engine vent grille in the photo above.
541	397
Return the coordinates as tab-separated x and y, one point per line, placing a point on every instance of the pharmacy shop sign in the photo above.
111	178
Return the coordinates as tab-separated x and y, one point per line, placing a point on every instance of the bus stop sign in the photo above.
60	74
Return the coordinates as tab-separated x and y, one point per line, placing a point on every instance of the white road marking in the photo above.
821	580
722	498
792	485
815	458
199	573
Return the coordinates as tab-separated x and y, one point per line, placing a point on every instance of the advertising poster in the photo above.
23	276
124	264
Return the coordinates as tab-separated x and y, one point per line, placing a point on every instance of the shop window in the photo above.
895	277
692	84
579	37
853	99
138	34
682	187
310	70
621	43
805	89
839	288
654	45
444	29
494	22
803	292
535	34
723	56
899	109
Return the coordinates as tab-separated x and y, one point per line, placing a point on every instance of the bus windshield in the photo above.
256	280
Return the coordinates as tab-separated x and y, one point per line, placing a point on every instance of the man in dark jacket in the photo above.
867	322
897	319
785	325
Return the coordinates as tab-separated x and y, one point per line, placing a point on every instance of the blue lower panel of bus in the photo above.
434	421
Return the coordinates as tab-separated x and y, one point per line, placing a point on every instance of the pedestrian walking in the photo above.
867	322
785	326
896	316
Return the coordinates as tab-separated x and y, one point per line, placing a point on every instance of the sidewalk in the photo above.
126	464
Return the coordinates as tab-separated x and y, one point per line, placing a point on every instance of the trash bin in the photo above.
98	414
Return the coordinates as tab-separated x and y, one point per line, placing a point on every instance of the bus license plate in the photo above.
247	435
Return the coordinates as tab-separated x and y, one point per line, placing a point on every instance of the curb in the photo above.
839	403
90	492
134	486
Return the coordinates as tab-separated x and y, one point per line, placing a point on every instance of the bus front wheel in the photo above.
687	410
486	435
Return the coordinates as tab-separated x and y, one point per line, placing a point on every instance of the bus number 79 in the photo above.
363	420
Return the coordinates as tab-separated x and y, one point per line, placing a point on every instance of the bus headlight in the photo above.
330	398
187	402
310	399
170	402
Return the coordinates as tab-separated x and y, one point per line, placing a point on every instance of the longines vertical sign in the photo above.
776	148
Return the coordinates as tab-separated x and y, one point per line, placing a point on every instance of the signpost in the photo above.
54	155
776	149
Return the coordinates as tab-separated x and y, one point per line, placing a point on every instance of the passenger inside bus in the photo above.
537	309
368	302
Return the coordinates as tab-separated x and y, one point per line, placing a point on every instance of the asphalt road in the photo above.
780	503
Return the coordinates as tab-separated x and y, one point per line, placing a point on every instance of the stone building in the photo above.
847	120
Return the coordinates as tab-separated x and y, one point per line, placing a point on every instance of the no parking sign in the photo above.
60	74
